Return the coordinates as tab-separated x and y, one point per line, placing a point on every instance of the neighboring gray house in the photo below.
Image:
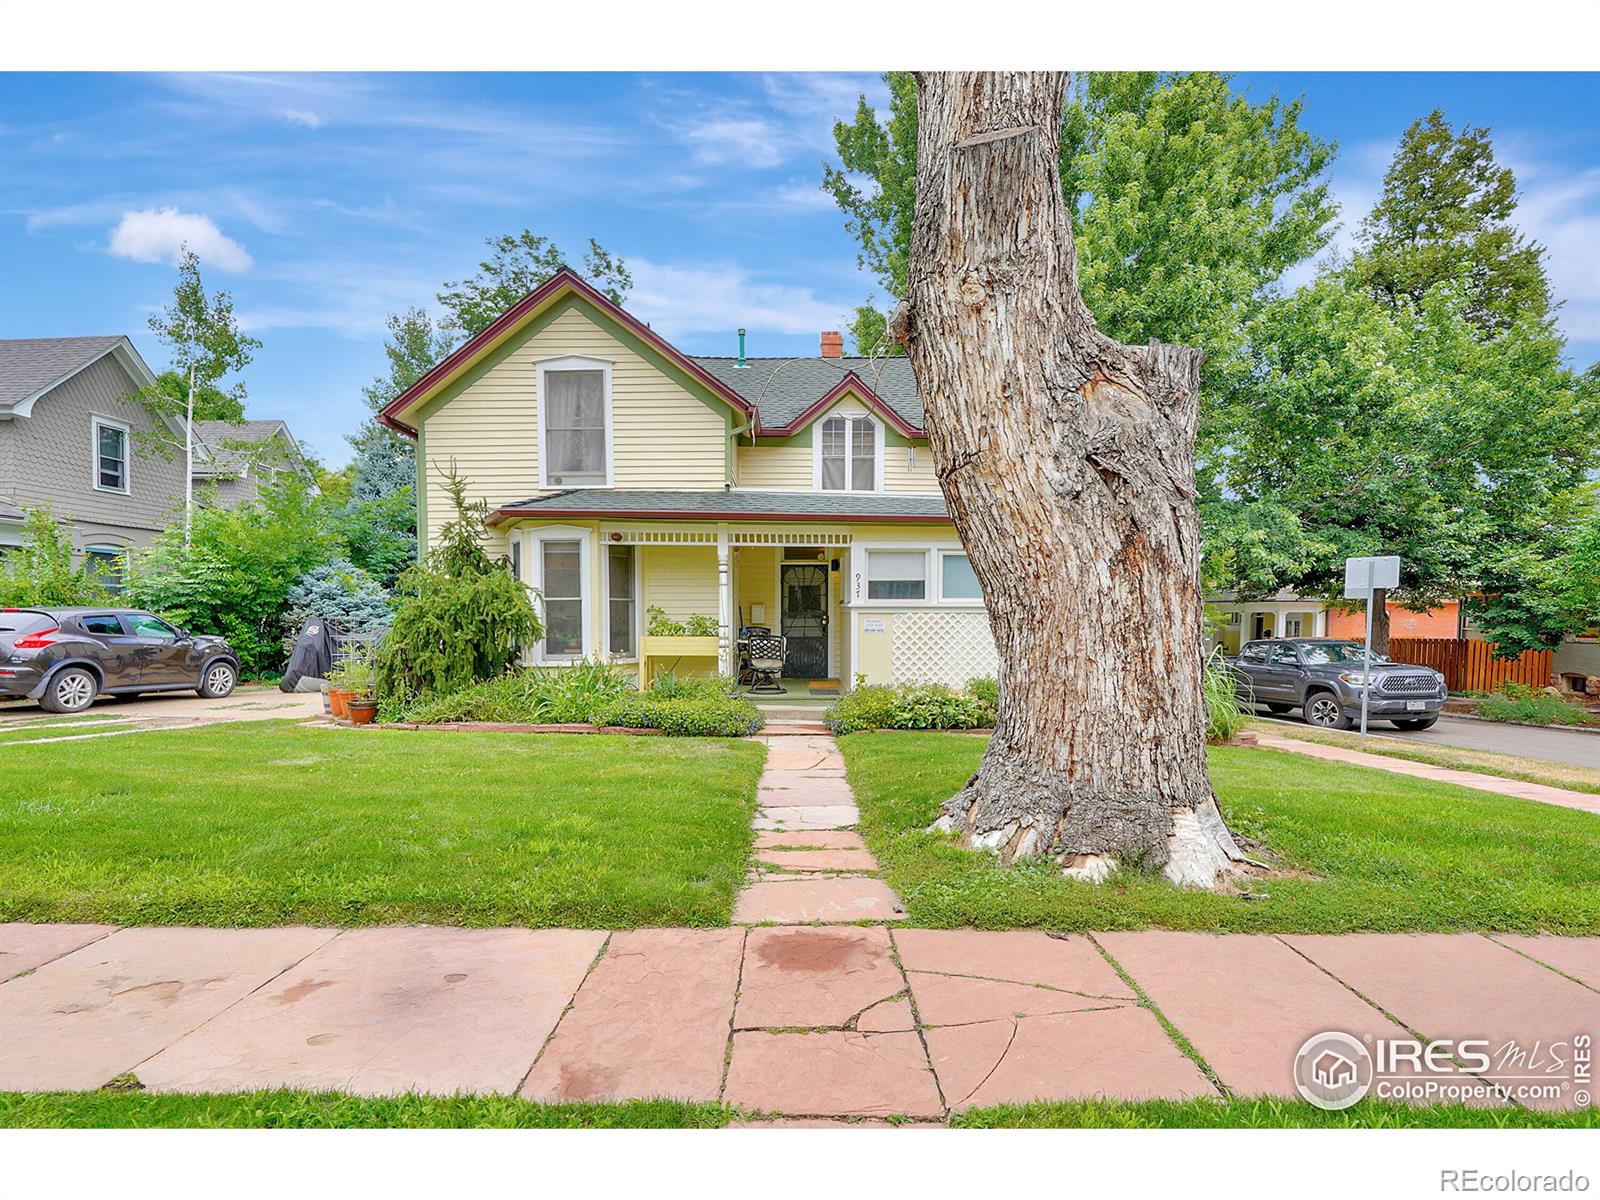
239	458
73	439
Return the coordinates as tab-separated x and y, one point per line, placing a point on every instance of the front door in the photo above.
804	614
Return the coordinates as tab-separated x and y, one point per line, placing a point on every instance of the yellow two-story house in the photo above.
624	476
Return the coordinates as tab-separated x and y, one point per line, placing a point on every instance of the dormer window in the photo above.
848	455
575	423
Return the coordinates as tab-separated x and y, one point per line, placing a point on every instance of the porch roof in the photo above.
729	505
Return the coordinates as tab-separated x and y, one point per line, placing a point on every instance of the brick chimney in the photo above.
832	344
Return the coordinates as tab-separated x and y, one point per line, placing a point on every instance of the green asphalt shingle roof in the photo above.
783	388
735	504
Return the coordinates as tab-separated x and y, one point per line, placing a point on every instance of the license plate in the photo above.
1416	706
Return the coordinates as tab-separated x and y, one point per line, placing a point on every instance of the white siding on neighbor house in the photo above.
663	436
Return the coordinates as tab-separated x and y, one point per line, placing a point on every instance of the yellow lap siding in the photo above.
909	474
662	436
755	581
774	466
680	580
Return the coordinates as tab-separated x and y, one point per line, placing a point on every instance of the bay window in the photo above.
561	570
622	602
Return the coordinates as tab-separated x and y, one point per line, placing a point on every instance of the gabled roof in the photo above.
789	393
780	396
562	282
221	439
30	367
731	505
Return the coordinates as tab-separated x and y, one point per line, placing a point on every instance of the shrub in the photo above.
462	618
912	706
1225	716
40	571
987	689
234	577
719	716
1519	703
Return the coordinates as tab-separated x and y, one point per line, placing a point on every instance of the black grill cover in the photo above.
312	657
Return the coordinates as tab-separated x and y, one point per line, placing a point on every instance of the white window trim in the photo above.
573	362
853	593
533	566
638	603
851	415
96	423
940	553
859	577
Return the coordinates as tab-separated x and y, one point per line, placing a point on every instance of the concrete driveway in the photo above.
1574	747
164	710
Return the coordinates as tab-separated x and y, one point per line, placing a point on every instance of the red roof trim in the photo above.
563	278
850	383
505	514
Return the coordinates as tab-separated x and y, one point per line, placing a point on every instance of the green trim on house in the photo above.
421	455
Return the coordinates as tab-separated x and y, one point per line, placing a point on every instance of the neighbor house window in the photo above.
897	575
110	455
956	578
848	458
575	417
562	574
106	562
622	604
1293	626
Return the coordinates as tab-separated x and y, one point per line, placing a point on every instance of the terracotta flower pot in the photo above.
340	699
362	711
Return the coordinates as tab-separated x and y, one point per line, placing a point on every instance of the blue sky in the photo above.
323	202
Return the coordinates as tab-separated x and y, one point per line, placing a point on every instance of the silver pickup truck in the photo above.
1324	678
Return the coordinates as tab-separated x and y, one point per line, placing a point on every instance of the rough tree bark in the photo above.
1380	620
1067	461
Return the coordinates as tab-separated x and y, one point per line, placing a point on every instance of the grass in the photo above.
49	732
331	1110
1362	850
1262	1114
271	823
1506	766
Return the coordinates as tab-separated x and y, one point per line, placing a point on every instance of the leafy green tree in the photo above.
517	264
1371	429
40	570
1447	208
1541	589
235	576
1188	202
200	331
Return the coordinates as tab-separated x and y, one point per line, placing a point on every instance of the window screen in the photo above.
111	457
621	603
897	575
957	580
563	599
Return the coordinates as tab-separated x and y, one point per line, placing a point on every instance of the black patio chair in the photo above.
764	653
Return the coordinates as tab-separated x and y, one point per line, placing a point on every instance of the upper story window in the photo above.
849	455
110	455
575	423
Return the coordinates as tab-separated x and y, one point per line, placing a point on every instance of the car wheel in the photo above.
1280	709
1417	723
1322	709
71	691
218	681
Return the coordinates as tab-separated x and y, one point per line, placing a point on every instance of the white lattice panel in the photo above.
942	647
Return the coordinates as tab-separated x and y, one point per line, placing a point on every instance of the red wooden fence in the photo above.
1469	665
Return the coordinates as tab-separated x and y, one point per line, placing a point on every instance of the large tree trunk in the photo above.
1380	620
1067	461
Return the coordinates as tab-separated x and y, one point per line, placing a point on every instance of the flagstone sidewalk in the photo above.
816	1005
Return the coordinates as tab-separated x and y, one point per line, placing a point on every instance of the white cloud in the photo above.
160	234
721	297
303	116
742	141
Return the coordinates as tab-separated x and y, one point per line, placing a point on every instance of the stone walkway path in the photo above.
813	1007
1543	793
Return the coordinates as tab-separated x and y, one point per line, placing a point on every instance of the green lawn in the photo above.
331	1110
268	823
1364	849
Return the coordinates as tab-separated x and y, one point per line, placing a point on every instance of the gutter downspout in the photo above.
733	437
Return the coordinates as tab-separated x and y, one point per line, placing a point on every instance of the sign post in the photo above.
1361	577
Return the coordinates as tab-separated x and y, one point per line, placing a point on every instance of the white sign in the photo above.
1361	575
872	625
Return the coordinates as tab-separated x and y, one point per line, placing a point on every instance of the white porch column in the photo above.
725	662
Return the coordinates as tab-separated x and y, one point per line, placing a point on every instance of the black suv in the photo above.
1323	678
65	657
